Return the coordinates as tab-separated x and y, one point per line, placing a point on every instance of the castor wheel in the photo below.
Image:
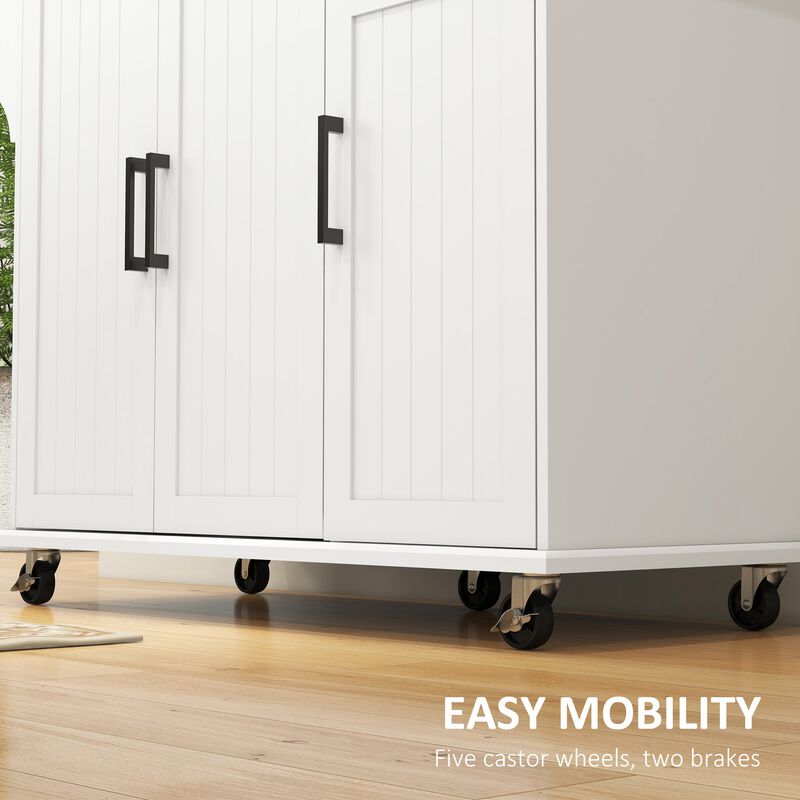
765	610
486	590
537	630
44	586
257	576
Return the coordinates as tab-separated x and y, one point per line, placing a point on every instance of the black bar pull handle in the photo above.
132	166
326	125
153	161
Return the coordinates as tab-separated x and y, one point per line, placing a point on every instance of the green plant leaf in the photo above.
6	240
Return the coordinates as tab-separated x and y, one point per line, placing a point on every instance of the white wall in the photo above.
696	594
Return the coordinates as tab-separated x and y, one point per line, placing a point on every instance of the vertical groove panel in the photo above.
215	250
518	243
433	269
87	250
90	420
109	260
426	251
274	253
138	132
487	247
238	221
128	93
120	167
237	403
249	305
457	192
396	236
47	399
262	266
367	260
288	267
193	236
68	198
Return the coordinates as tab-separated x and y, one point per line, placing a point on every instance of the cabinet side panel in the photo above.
673	207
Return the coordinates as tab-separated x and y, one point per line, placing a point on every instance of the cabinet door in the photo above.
83	365
430	338
239	318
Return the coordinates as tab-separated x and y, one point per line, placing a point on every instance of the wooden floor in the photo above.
298	697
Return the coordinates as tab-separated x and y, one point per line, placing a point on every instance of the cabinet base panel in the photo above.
536	562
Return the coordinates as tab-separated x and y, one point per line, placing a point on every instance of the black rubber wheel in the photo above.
45	586
257	576
486	594
765	610
536	632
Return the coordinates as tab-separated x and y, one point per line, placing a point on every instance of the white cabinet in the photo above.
559	327
430	341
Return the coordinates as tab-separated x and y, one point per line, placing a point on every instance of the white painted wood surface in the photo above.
497	559
84	361
673	272
430	335
239	322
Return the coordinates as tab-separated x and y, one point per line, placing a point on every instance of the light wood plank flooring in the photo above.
300	697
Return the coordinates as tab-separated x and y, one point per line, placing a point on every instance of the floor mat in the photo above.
25	636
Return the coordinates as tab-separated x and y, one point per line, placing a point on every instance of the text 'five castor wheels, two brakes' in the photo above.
526	615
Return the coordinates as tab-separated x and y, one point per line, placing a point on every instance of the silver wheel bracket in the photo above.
522	587
753	575
32	557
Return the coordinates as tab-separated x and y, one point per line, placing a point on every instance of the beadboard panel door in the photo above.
430	302
240	310
84	362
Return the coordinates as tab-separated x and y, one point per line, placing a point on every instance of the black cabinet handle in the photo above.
132	166
326	125
148	166
153	161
